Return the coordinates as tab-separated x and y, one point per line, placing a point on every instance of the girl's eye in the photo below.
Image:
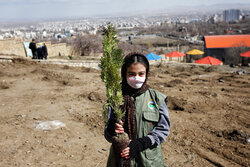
141	74
132	74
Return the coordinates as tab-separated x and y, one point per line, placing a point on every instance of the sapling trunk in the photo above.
111	63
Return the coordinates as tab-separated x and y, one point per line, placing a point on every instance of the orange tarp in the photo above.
175	54
227	41
245	54
209	60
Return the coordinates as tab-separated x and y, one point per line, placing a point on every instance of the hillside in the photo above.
208	107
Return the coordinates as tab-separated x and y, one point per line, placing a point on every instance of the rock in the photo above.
221	81
219	134
70	110
93	96
240	72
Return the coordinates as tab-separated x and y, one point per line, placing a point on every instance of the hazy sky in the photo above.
16	9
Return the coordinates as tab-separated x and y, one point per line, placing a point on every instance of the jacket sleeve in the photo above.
161	131
111	115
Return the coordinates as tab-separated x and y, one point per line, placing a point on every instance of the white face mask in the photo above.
136	82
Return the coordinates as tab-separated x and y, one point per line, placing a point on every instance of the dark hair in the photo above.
131	59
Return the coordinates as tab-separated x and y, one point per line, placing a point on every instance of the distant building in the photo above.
231	15
59	36
216	18
217	46
246	17
33	34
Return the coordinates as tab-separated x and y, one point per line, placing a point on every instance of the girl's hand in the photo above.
119	128
125	153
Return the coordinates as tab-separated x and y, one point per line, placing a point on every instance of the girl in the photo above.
146	118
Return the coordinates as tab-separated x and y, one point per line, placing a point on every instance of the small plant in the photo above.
70	57
111	63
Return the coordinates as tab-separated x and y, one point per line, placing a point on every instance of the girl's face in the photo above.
136	69
136	75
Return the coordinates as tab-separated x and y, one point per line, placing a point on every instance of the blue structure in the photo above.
152	56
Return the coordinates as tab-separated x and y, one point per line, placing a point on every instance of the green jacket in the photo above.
147	109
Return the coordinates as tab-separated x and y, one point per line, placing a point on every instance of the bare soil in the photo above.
209	109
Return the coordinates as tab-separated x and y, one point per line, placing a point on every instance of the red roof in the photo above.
175	54
209	60
245	54
227	41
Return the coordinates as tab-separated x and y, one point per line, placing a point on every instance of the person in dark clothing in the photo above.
44	51
33	49
40	52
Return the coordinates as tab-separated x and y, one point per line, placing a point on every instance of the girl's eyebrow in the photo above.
136	72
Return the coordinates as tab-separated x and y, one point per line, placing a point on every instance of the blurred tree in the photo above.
233	54
129	48
84	45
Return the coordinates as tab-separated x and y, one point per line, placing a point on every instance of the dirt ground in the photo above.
209	109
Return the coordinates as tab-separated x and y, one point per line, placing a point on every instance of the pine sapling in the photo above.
111	63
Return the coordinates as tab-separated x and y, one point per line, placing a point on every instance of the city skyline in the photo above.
22	10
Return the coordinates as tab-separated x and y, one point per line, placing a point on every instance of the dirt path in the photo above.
209	110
